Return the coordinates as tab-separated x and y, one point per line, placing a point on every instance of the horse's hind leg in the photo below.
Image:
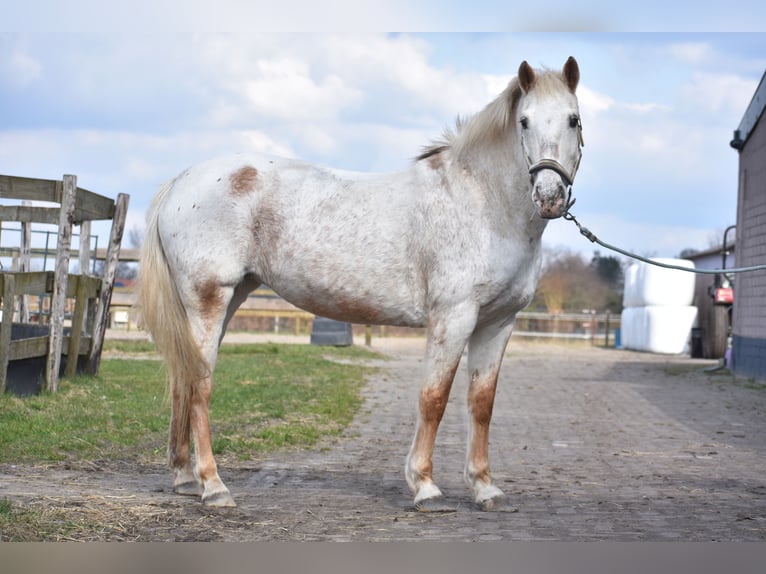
179	448
190	420
218	304
447	337
485	354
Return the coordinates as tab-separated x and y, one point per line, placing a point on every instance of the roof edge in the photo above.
752	115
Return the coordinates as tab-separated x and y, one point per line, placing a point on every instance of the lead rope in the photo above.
590	235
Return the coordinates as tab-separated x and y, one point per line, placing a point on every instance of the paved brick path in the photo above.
589	444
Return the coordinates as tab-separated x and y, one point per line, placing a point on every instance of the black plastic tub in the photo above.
26	377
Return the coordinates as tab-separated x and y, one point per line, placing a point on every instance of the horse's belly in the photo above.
362	306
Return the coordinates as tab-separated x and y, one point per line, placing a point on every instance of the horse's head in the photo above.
551	135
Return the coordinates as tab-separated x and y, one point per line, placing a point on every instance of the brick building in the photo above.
749	315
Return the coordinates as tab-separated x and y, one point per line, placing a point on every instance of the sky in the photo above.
129	106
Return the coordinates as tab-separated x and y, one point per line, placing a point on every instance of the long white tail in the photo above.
164	317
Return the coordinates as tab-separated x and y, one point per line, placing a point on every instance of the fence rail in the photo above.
265	312
598	328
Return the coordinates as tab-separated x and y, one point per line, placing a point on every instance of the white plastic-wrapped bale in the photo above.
651	286
658	329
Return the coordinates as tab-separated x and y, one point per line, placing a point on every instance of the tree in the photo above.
609	269
135	237
569	283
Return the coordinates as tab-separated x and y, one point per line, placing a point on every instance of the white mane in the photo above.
493	121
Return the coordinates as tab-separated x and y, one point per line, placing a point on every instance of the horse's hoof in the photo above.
489	497
191	488
497	502
220	499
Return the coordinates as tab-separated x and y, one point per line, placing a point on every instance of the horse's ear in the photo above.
571	73
526	76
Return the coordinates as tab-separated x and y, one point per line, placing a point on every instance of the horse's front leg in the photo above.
446	340
485	355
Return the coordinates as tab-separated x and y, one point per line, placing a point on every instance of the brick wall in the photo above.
749	326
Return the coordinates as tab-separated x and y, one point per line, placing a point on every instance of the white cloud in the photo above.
717	93
260	142
24	69
136	110
285	89
593	102
692	52
401	63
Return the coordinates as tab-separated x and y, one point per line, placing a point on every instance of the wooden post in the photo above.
593	327
107	283
58	301
25	263
84	250
73	351
368	335
9	286
84	261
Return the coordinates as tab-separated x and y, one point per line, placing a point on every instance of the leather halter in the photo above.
549	163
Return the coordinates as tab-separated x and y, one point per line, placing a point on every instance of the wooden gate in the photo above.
84	341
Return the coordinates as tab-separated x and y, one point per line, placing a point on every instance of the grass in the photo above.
26	524
266	397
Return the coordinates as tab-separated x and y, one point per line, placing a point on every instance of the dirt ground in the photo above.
588	444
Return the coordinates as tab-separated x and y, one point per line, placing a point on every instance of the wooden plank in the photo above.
14	187
90	283
25	262
83	252
75	336
32	214
42	282
110	269
34	347
82	349
127	255
90	206
58	301
28	348
5	326
33	282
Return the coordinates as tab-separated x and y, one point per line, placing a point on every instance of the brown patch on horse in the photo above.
481	396
357	310
210	298
243	180
341	309
266	226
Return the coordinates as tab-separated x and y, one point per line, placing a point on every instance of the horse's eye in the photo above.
524	122
574	121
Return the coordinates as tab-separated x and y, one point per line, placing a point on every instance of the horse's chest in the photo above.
509	286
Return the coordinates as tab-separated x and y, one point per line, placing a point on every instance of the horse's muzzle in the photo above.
552	188
551	205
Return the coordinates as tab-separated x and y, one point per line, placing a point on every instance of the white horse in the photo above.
451	244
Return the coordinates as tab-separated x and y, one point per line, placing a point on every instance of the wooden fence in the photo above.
264	312
76	206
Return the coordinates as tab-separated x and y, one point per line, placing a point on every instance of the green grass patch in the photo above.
266	397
